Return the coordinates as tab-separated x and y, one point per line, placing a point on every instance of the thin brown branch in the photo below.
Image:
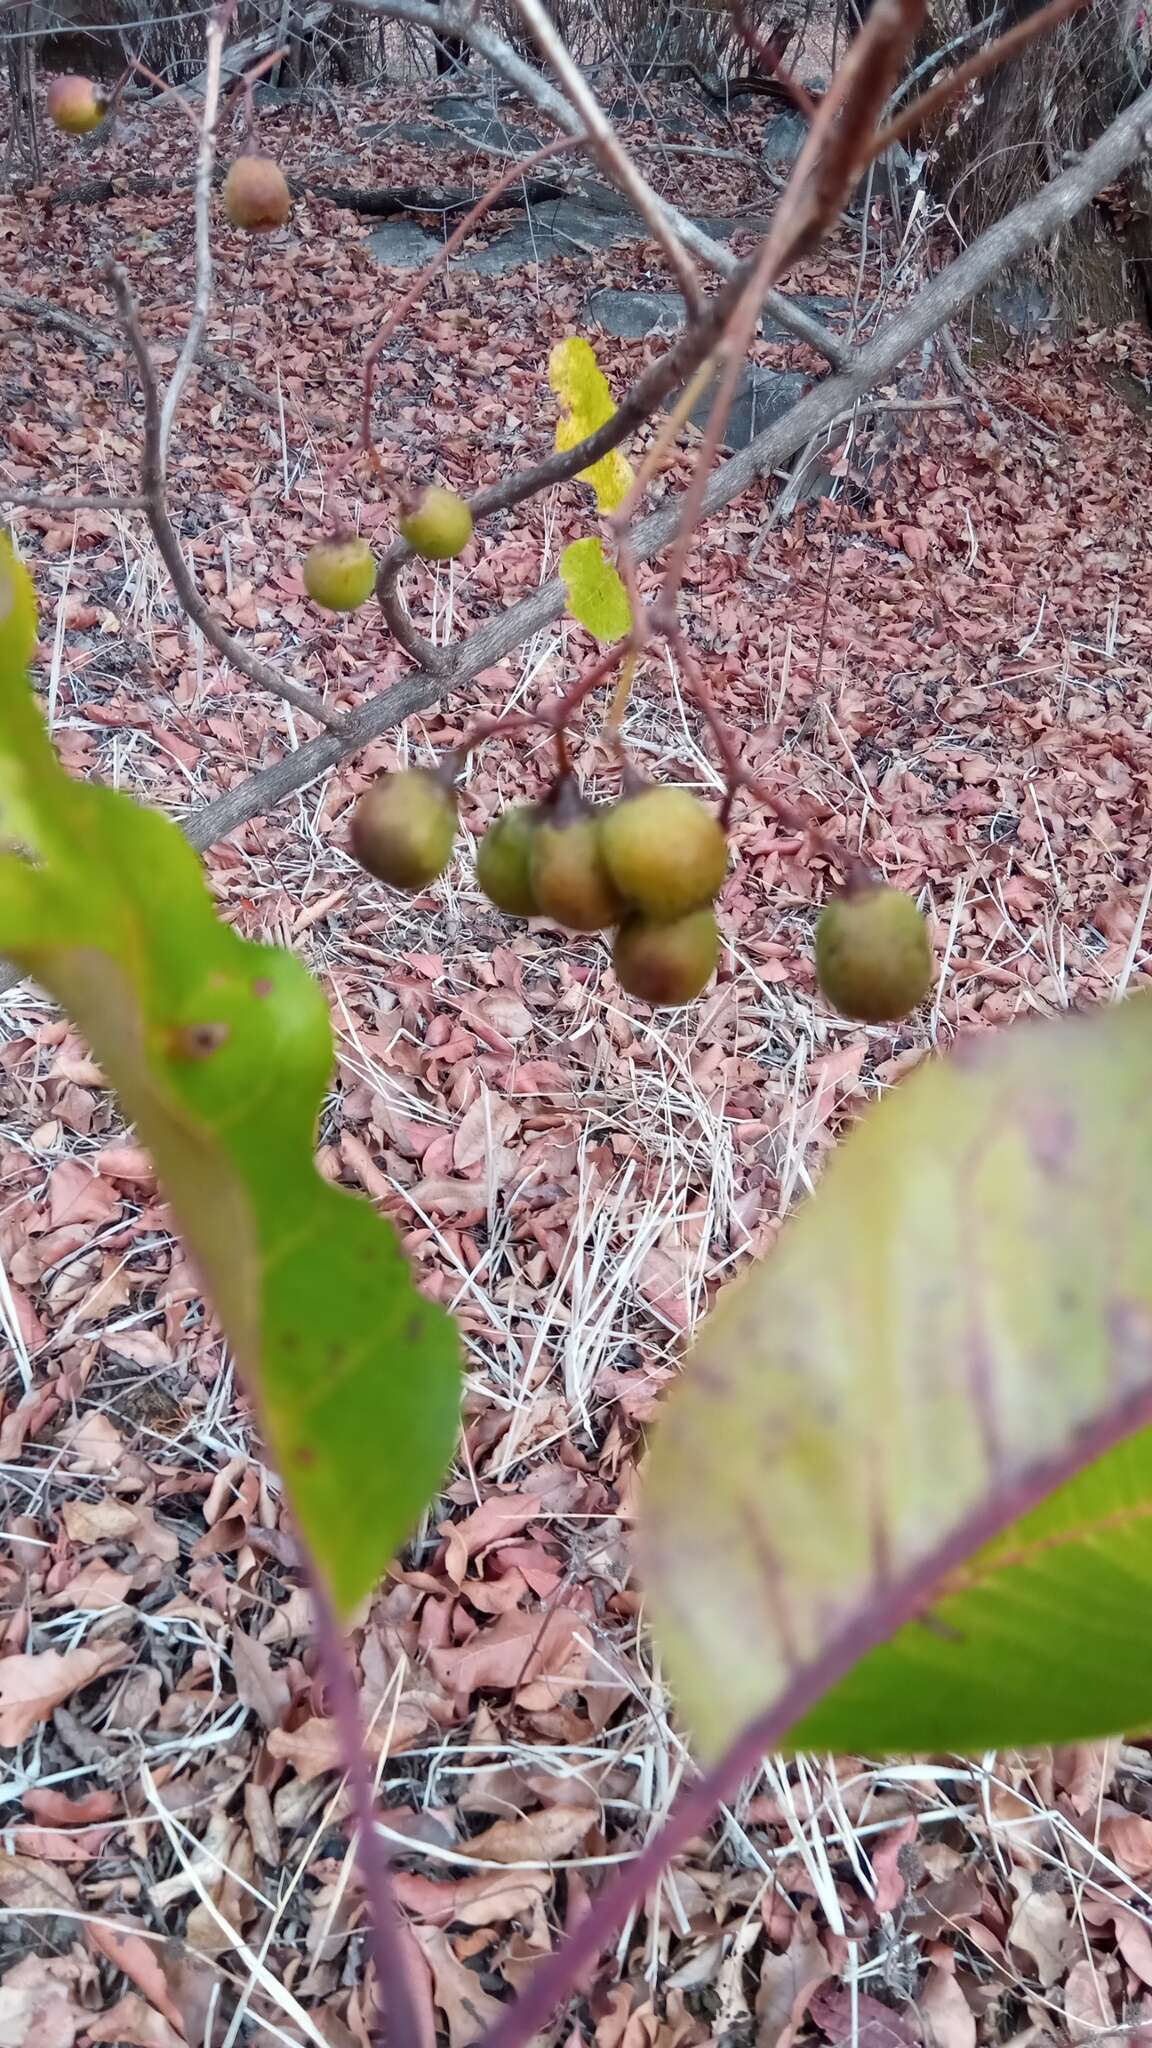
202	299
821	181
263	673
498	52
613	158
48	315
415	292
433	660
997	53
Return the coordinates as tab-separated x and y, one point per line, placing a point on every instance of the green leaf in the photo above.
958	1321
1037	1638
596	594
581	386
221	1051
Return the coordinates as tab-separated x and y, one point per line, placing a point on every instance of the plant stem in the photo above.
397	2009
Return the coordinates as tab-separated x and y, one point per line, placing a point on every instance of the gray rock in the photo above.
481	124
631	315
585	226
1022	307
784	138
507	252
401	245
414	131
822	306
762	396
557	228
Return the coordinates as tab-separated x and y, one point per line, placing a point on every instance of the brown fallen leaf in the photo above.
265	1690
489	1899
856	2016
1127	1838
538	1837
32	1685
137	1957
314	1747
94	1444
1039	1927
133	2023
1087	2008
947	2018
37	2008
469	2011
788	1981
500	1516
516	1649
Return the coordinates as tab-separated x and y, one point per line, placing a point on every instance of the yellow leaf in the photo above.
582	388
596	595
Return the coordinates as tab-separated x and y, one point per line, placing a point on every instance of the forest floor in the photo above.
953	660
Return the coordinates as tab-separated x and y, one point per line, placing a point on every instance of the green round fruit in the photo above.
439	525
75	105
669	963
569	880
340	574
256	195
504	860
873	954
665	851
404	828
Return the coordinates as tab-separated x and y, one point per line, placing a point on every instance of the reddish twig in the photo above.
393	1984
416	291
950	88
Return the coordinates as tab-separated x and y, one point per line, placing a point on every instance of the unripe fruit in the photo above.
665	851
504	860
873	954
569	880
256	196
667	963
340	574
75	105
404	827
438	526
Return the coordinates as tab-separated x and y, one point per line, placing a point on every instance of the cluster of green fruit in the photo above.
340	573
651	865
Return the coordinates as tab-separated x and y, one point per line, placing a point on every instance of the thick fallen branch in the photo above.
1129	137
375	203
47	315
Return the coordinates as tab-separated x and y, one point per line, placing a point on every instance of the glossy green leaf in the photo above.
596	593
220	1051
1040	1637
957	1322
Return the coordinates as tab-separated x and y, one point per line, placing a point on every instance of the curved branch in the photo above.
433	660
262	673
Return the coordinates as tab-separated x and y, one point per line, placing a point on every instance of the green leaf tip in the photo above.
220	1051
871	1422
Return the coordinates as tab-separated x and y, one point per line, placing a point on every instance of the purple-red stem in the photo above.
401	2027
892	1607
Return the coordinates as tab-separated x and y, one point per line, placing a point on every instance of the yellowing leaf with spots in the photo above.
582	388
596	593
221	1051
887	1428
